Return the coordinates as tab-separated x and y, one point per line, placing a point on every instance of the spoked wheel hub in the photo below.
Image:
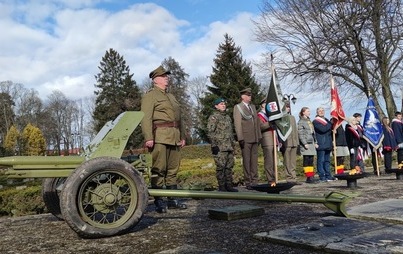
106	197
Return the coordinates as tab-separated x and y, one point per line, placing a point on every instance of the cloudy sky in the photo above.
58	44
50	45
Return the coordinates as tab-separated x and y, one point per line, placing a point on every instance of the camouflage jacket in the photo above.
220	131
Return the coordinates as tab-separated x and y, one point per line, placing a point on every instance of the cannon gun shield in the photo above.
103	197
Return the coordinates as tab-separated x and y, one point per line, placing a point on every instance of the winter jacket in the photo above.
323	131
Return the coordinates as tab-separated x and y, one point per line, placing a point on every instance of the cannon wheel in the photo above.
51	195
103	197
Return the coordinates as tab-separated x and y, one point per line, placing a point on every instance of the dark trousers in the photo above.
307	160
323	164
387	157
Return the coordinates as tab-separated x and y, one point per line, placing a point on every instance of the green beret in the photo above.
158	72
218	101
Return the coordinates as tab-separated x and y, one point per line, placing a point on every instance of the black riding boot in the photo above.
174	202
228	180
221	180
160	206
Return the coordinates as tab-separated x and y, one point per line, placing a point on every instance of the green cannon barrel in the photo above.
53	161
40	166
335	201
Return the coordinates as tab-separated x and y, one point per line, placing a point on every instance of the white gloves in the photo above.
352	151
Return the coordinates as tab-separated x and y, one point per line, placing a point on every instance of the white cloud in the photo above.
65	56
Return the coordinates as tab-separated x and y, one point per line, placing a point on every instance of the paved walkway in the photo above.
370	228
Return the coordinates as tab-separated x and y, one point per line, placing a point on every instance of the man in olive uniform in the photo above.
247	130
220	133
289	149
164	136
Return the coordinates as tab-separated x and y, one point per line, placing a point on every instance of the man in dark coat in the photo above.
323	130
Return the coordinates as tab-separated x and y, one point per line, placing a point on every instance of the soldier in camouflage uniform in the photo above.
163	133
220	133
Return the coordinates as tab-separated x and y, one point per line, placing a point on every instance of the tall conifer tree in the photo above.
116	92
230	75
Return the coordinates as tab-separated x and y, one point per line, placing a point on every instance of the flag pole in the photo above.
275	157
334	129
274	131
375	151
334	151
401	89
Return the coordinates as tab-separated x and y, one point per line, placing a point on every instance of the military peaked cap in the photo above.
158	72
246	91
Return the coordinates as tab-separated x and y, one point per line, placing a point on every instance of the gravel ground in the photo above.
191	230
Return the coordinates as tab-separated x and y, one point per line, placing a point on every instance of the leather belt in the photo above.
167	124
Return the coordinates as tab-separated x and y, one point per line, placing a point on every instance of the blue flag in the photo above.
372	125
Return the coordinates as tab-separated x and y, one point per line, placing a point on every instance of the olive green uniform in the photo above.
162	123
220	133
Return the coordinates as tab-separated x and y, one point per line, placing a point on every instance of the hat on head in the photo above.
158	72
218	101
263	101
246	91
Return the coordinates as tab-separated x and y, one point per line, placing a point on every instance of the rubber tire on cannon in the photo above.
103	197
51	195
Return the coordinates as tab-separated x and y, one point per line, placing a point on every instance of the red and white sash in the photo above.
321	120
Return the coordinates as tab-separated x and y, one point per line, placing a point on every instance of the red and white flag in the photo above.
336	113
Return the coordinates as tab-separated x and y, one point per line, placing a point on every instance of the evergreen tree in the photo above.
116	92
178	82
231	74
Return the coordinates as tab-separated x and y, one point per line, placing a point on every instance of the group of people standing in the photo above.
163	132
318	137
252	128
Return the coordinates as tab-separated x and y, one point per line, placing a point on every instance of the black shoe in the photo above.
222	188
310	180
160	206
248	187
174	203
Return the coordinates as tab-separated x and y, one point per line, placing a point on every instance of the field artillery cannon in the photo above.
103	194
